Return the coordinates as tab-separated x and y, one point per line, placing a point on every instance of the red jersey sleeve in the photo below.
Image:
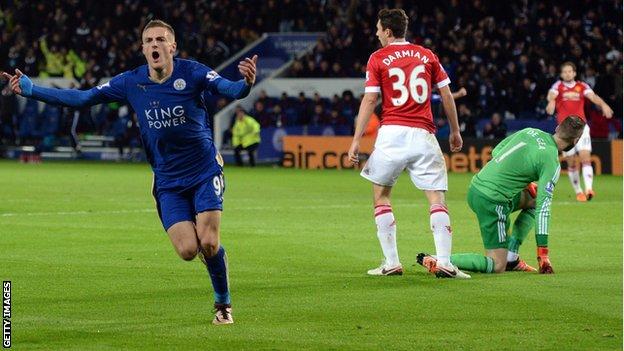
373	76
586	88
440	78
555	88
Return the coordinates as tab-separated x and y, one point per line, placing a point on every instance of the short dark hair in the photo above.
395	20
569	63
158	23
571	128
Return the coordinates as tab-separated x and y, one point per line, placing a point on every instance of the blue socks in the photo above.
217	268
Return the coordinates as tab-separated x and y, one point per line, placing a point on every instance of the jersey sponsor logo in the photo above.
571	95
167	117
212	75
179	84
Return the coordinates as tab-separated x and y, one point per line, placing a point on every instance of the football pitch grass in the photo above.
92	269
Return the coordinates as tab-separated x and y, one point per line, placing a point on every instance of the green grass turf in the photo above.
92	269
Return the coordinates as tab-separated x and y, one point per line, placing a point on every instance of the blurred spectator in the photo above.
600	126
496	128
245	136
303	109
443	128
65	38
319	116
262	115
467	122
506	52
8	116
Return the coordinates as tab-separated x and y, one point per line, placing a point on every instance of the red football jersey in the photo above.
570	99
404	74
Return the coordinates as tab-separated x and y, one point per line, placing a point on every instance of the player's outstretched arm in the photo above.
241	88
550	107
367	107
22	85
606	109
460	93
546	187
448	103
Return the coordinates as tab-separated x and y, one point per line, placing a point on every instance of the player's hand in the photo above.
607	111
354	153
19	83
462	92
455	141
532	189
544	262
247	69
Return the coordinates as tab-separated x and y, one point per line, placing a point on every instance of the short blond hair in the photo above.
158	23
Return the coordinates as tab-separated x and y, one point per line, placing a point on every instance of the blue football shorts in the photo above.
178	205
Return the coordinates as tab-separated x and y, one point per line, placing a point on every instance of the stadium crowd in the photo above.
506	54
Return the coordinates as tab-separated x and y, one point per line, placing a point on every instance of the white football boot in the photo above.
386	270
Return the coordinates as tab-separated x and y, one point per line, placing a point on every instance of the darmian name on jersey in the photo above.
165	117
404	53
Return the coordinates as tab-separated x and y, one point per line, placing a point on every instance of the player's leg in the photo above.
208	204
237	155
588	173
184	239
427	170
251	151
213	254
584	149
440	223
523	224
176	214
493	223
573	173
382	169
386	232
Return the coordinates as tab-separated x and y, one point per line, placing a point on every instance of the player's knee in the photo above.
500	266
187	250
210	245
187	253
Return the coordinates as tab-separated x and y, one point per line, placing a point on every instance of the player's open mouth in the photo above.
155	55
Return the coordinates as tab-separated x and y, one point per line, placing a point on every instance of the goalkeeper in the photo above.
529	155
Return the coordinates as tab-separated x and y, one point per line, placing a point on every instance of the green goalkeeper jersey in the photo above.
529	155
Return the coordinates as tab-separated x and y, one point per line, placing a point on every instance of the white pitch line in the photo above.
251	208
73	213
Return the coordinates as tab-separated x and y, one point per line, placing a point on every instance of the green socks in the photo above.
521	228
473	262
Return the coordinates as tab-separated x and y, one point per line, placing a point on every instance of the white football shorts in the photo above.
584	144
415	149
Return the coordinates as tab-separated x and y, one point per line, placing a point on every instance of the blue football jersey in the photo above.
172	118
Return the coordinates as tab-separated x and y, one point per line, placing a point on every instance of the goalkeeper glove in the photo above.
544	262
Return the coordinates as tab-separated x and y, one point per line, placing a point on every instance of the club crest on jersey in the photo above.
179	84
212	75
